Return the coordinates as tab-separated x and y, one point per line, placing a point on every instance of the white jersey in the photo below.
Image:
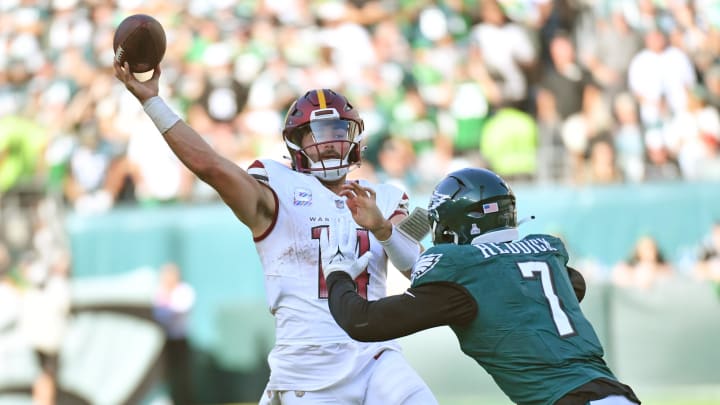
311	351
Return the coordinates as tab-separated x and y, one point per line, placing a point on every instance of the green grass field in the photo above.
652	401
680	395
648	401
655	401
695	395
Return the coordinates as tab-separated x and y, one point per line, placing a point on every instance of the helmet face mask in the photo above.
469	203
323	134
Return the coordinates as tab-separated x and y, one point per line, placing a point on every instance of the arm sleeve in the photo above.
578	283
401	250
395	316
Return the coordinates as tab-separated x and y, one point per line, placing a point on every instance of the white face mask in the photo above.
329	169
326	131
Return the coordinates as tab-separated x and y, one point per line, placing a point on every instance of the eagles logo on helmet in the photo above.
330	119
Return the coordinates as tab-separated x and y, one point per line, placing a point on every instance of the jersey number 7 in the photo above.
541	270
363	280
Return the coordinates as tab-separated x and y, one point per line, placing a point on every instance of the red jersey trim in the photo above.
275	215
398	212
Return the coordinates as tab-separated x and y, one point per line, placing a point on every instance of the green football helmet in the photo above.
468	203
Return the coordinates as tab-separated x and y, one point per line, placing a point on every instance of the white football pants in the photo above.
388	380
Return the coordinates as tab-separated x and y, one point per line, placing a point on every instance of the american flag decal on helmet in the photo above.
489	208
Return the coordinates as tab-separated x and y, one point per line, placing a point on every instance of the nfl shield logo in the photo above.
340	203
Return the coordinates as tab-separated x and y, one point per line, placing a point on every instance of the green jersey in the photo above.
529	333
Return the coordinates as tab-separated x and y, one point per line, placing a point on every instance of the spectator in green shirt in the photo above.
21	144
509	144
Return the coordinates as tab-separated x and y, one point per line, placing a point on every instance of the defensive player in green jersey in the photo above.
513	303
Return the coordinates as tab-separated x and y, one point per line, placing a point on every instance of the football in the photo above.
139	40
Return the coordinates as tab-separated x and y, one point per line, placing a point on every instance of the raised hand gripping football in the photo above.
141	90
338	248
140	41
139	44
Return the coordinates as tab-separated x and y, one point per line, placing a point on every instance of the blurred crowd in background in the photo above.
557	91
541	91
571	92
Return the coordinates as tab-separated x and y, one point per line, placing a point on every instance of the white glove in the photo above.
338	248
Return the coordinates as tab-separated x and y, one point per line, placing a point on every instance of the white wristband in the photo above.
401	250
160	114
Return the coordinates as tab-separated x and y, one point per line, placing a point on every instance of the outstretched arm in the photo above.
423	307
395	316
251	202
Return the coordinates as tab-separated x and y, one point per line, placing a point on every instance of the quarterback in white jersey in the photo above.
290	212
295	285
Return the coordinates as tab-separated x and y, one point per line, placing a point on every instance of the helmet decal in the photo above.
468	203
321	99
490	208
437	199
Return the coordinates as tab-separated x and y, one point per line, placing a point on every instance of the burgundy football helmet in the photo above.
330	119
